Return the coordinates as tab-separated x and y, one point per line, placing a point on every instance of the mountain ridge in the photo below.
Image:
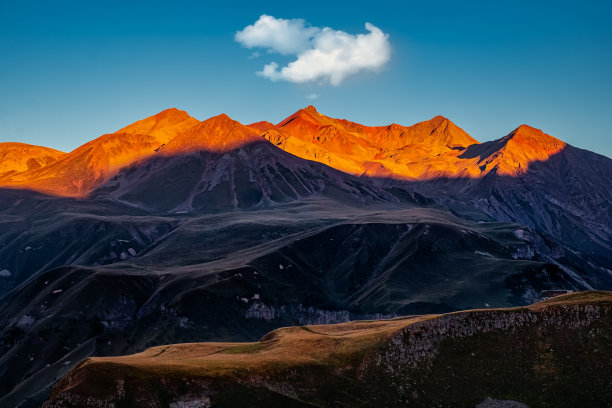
228	231
427	150
18	157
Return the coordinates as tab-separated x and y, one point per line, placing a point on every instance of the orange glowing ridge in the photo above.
427	150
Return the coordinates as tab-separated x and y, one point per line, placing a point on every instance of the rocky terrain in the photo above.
178	230
551	354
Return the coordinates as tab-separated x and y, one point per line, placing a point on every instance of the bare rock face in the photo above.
549	354
179	230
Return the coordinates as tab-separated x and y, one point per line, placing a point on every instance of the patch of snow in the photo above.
132	251
255	296
281	266
5	273
245	300
28	248
56	291
482	253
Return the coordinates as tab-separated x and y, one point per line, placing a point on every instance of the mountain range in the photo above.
428	150
178	230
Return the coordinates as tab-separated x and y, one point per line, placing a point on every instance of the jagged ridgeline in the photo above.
175	230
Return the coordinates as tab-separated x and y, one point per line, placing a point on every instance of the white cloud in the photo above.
277	34
323	54
312	96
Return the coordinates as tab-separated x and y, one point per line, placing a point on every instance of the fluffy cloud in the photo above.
323	54
280	35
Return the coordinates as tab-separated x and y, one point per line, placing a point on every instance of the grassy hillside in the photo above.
551	354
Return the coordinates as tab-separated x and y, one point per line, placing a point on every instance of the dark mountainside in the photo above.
219	235
551	354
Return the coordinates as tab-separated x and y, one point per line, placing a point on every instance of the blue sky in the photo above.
71	71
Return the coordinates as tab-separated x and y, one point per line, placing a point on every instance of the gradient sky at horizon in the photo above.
73	70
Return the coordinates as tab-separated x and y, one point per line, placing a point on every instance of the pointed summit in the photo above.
217	134
308	116
78	172
438	119
379	151
262	126
525	133
533	142
439	131
512	154
163	126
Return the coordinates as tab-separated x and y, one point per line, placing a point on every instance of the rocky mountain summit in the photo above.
176	230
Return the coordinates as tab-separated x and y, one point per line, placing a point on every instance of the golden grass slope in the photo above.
297	345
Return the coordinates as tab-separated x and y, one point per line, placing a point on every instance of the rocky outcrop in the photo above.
508	356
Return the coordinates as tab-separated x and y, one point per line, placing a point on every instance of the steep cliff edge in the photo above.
554	353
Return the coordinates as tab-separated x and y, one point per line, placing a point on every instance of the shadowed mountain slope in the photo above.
80	171
181	231
436	148
429	150
567	196
544	355
223	165
512	154
237	275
